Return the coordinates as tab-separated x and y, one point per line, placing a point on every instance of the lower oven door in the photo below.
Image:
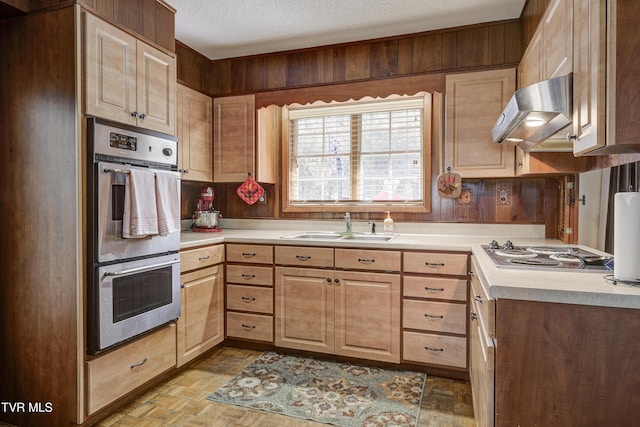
131	298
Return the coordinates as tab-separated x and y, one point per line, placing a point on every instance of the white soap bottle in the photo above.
388	223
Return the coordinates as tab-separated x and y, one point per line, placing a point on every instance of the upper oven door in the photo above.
111	246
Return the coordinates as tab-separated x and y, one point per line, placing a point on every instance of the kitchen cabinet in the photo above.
122	370
237	150
347	313
565	364
605	86
195	134
473	103
481	348
249	308
127	80
550	51
201	322
549	162
434	307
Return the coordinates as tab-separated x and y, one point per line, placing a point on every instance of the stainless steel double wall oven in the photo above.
133	283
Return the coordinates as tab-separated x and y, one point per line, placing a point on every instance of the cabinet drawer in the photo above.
435	263
202	257
435	287
360	259
250	326
435	316
116	373
482	305
250	298
250	275
435	349
253	254
304	256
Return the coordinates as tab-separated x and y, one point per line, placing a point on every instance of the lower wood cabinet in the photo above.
122	370
346	313
250	292
201	322
434	304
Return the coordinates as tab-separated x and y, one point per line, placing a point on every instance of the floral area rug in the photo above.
342	394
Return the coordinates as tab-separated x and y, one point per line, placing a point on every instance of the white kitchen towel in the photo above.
626	236
168	203
140	217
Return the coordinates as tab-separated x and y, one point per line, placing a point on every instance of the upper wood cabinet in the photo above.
233	138
238	149
605	83
126	80
195	134
550	51
473	103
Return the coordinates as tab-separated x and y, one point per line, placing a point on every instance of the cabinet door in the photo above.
234	138
109	71
195	134
474	103
530	68
588	75
367	316
201	322
156	94
305	309
557	39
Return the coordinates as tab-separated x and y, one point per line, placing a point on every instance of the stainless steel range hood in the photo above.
535	113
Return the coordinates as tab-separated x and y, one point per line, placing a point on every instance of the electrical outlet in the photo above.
263	198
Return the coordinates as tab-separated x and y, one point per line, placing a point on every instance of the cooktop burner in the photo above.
560	258
533	261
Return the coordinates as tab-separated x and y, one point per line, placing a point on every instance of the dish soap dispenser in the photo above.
388	223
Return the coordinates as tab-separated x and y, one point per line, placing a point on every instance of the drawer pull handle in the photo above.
434	264
249	276
135	365
434	316
478	298
202	258
303	257
433	349
426	288
248	254
248	327
366	260
248	299
473	315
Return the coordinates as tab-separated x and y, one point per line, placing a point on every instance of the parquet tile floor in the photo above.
182	400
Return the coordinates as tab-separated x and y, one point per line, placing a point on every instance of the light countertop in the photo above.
572	287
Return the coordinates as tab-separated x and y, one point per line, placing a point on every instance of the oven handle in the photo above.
139	269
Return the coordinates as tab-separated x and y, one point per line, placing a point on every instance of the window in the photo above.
361	156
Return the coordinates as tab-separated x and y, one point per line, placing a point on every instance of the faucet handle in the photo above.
373	227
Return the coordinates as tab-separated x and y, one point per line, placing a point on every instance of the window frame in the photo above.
312	207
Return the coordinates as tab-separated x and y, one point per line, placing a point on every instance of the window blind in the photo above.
357	153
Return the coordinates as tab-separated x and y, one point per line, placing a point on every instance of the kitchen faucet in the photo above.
347	221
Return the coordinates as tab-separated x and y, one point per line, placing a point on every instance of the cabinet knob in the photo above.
134	114
142	116
337	282
473	315
328	279
572	137
478	298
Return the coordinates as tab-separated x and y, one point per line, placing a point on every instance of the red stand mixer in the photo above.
205	218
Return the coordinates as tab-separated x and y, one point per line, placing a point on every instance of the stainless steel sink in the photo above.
371	237
361	237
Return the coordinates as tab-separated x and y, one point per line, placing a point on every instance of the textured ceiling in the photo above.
231	28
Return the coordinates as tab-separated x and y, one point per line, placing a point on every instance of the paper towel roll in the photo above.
626	236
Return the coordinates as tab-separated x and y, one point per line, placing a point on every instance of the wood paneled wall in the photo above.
488	45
